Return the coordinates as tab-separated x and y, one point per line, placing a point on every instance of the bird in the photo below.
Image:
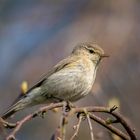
69	80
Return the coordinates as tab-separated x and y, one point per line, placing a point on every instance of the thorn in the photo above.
113	108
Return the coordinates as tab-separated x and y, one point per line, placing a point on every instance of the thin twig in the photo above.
76	127
19	124
121	119
63	122
109	127
75	110
90	127
56	135
117	115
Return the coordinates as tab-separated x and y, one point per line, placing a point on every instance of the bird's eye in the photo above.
91	51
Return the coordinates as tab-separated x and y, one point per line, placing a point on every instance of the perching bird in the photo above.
69	80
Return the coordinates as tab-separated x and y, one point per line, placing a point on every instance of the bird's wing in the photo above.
13	108
62	64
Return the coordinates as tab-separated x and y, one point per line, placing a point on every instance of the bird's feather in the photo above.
13	108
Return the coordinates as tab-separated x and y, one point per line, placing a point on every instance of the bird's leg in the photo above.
54	100
68	106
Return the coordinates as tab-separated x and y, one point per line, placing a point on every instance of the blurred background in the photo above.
35	35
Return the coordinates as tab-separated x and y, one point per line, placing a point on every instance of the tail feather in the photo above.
8	114
24	101
14	108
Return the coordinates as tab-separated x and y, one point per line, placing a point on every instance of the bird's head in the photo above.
91	50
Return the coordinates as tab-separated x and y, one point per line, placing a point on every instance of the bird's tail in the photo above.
19	105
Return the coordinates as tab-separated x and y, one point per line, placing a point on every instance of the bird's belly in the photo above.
68	85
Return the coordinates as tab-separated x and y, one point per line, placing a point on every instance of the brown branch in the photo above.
118	116
76	127
56	135
18	126
109	127
125	125
29	117
63	121
90	126
76	110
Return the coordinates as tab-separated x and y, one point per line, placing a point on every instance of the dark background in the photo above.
35	35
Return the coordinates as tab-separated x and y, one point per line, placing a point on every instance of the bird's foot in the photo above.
68	106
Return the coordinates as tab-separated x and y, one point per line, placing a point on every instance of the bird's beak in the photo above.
104	55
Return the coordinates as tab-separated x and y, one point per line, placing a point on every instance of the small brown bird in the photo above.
69	80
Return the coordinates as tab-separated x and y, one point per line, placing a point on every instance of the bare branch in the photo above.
77	110
76	127
63	121
56	135
18	126
109	127
118	116
90	127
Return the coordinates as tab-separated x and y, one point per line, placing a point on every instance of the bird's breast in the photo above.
72	82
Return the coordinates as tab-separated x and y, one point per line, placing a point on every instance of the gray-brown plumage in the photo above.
71	79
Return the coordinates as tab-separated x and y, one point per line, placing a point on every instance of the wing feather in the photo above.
62	64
